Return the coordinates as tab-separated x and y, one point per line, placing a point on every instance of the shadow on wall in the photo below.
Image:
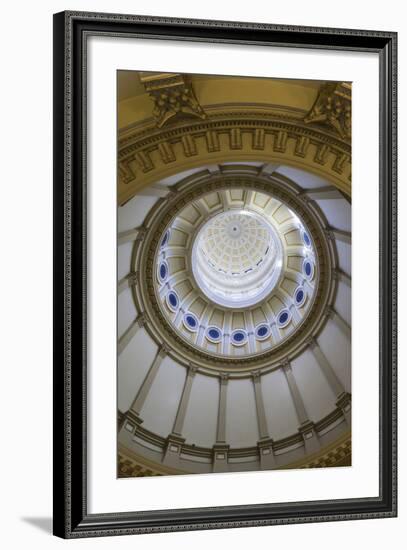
43	523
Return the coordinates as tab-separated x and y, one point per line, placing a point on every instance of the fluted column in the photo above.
130	332
333	381
183	404
145	387
221	426
265	443
220	449
306	428
175	440
261	414
295	394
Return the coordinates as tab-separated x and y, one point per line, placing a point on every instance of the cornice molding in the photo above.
336	453
146	158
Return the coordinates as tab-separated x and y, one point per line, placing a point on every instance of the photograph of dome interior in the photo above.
234	274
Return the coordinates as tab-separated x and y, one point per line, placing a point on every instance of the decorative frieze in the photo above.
166	151
189	146
340	161
259	139
144	160
237	138
212	141
126	174
301	146
280	141
339	456
321	155
127	467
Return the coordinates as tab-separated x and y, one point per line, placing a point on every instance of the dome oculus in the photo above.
237	258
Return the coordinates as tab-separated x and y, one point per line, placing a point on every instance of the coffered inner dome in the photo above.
237	258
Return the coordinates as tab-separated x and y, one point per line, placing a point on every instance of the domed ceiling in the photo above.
225	277
234	308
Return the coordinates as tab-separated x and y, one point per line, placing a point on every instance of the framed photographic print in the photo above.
225	274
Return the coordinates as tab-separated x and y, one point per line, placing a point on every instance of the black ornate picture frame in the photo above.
71	516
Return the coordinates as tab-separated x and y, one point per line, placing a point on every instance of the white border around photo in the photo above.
107	493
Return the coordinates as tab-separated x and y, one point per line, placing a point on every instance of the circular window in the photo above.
308	269
239	337
165	239
262	332
213	334
191	322
284	317
306	239
172	300
163	271
299	296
